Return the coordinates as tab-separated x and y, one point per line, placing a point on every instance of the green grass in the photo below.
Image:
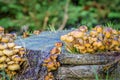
97	77
4	75
111	25
51	28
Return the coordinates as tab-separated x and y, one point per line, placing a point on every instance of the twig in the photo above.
45	20
65	18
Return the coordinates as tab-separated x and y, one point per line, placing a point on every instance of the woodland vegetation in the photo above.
60	14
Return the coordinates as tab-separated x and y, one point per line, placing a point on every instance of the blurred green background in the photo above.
60	14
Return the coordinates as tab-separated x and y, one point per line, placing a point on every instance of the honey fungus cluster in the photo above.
11	55
51	62
97	39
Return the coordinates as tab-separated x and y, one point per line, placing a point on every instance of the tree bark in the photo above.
87	59
82	72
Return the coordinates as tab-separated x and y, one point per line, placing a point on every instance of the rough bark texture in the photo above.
88	59
34	69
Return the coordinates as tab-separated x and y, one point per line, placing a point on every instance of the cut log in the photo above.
88	59
82	72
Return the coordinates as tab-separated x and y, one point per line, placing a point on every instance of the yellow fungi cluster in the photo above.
27	34
97	39
51	62
11	55
36	32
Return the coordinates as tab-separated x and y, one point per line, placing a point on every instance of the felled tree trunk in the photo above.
81	71
88	59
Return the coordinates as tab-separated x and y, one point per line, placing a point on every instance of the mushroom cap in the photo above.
36	32
115	32
83	51
22	49
102	47
0	36
81	41
8	52
5	39
13	67
63	38
1	28
25	34
2	59
95	44
16	58
99	44
50	65
54	51
21	53
78	34
93	39
16	49
90	50
107	34
87	44
76	46
11	40
10	62
11	45
69	39
115	43
1	53
83	28
3	46
47	60
98	28
8	59
49	76
85	37
119	32
93	33
54	57
117	48
11	36
58	44
57	64
107	29
119	39
81	47
3	65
